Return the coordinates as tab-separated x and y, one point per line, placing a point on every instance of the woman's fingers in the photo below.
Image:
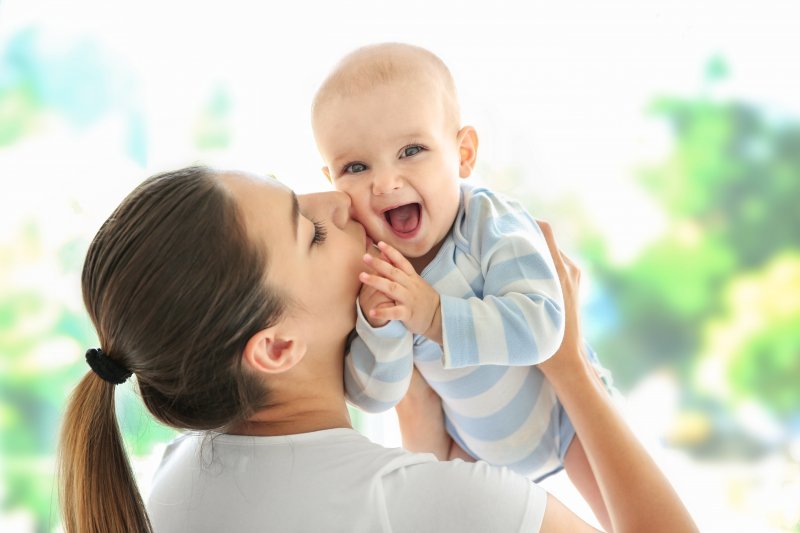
571	268
567	270
555	253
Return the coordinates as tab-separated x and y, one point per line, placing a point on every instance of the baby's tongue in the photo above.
404	218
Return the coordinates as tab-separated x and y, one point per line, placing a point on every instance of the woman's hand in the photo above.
569	357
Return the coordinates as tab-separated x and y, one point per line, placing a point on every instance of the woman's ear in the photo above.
467	139
273	352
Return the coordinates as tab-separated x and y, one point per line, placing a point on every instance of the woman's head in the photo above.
194	263
194	269
175	289
315	250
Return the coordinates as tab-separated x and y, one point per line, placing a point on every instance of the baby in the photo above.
465	288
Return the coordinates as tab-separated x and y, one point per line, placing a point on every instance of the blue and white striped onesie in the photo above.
502	313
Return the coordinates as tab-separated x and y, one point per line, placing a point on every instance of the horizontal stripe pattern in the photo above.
502	313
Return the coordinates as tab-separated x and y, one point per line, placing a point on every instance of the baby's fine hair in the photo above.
374	65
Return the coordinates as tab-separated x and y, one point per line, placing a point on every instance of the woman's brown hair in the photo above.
174	289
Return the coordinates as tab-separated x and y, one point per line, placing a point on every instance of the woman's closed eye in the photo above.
320	233
411	150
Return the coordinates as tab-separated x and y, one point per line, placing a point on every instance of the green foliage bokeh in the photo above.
730	187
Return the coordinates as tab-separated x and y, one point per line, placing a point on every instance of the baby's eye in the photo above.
354	168
410	150
320	233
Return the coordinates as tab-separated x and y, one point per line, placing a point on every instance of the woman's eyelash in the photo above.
320	233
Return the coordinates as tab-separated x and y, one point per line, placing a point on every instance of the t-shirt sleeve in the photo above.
455	496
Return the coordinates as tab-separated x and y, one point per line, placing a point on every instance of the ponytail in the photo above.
98	491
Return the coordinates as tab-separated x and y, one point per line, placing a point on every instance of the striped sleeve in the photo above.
519	320
378	367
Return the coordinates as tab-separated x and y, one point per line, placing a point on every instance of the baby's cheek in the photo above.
361	210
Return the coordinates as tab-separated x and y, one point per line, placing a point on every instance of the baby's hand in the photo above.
415	302
369	299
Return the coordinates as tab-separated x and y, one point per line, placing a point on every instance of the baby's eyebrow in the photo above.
341	159
295	213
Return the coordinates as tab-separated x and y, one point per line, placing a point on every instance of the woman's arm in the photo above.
636	493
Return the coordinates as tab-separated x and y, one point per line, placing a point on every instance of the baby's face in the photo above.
395	151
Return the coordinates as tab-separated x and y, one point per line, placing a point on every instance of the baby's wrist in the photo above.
434	330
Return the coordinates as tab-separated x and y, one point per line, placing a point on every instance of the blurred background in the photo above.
661	139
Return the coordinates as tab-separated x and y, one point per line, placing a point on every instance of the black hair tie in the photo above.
105	367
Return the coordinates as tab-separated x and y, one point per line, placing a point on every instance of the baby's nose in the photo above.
386	182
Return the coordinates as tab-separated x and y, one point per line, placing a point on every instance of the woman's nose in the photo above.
341	209
329	205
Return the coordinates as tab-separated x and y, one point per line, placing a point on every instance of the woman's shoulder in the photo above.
338	455
461	496
338	473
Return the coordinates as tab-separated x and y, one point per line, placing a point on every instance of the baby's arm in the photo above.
518	319
377	369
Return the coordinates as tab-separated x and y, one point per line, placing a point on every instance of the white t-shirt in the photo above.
332	480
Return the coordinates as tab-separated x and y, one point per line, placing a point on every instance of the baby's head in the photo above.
387	124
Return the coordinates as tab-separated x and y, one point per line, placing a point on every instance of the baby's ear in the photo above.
327	174
467	139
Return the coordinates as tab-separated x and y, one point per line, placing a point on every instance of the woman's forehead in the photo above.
265	203
234	177
254	188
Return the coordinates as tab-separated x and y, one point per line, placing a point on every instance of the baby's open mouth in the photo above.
403	219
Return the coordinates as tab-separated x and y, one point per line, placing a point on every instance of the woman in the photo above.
231	299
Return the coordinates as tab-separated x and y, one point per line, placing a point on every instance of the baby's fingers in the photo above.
390	288
393	312
396	258
386	269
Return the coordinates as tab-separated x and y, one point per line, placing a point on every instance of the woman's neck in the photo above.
299	404
261	425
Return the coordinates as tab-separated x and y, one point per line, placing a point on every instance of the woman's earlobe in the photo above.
271	352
